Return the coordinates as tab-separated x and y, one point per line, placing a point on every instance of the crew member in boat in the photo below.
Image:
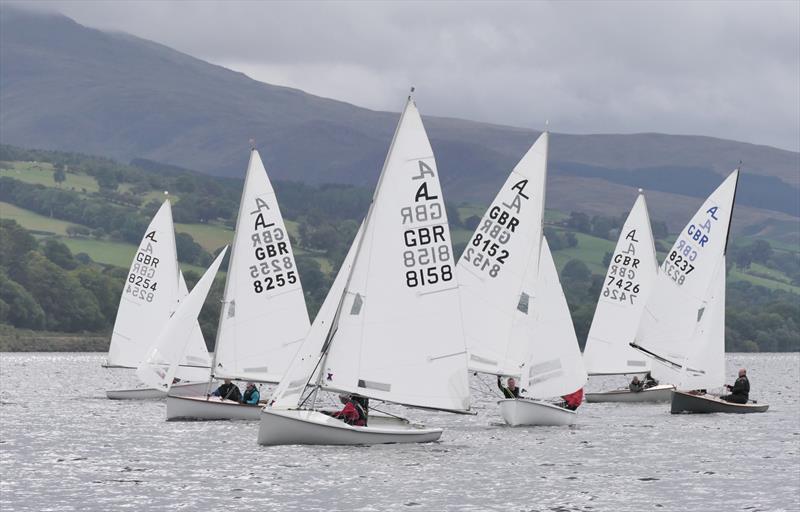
251	395
573	400
228	391
740	391
636	385
510	390
649	381
352	413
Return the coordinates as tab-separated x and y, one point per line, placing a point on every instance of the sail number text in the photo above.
427	257
681	260
142	283
273	264
620	282
487	249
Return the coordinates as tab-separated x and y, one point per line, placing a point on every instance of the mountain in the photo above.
69	87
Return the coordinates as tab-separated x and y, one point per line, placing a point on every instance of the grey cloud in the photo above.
728	70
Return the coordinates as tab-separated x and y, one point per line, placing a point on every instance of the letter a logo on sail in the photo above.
422	192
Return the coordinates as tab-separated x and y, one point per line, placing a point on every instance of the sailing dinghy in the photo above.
683	324
516	319
151	293
627	286
390	328
263	317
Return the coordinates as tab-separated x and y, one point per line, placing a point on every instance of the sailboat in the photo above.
152	291
390	328
683	323
263	317
516	319
626	288
161	363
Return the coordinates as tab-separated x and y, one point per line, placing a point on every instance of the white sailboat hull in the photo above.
660	393
200	408
186	389
279	427
521	411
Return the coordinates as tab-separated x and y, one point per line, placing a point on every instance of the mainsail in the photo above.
554	364
149	295
161	362
626	288
684	292
494	272
396	334
263	317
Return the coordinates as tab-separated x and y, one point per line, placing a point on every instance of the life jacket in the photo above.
248	394
574	400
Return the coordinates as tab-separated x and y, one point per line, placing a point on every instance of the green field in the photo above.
33	221
590	250
42	174
210	236
118	254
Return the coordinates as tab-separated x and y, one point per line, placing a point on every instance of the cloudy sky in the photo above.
729	70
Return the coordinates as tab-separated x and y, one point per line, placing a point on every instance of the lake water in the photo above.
63	446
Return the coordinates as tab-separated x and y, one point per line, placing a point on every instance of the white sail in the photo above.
555	366
680	293
162	360
195	362
626	289
149	294
302	369
399	336
705	363
492	270
263	317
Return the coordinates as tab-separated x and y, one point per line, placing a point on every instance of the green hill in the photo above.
83	212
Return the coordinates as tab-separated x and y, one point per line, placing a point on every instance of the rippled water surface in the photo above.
63	446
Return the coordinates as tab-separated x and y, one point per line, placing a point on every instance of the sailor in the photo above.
510	390
740	391
573	400
649	381
636	385
350	414
251	394
228	391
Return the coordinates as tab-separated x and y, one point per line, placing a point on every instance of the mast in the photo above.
733	203
228	276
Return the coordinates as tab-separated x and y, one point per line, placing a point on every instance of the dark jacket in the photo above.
741	388
636	386
507	392
229	392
